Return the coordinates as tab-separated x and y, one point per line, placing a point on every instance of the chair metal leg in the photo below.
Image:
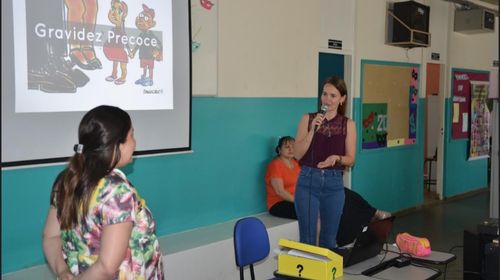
241	274
251	272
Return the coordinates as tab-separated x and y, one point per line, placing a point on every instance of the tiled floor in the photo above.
443	223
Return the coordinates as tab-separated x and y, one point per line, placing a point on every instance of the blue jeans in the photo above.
319	192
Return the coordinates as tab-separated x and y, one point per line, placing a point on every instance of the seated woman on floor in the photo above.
281	176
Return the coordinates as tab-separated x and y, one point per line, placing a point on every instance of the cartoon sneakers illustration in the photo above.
140	81
147	82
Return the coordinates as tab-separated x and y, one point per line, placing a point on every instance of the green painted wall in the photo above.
460	175
233	139
390	178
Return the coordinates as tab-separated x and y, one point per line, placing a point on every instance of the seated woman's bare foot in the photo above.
381	214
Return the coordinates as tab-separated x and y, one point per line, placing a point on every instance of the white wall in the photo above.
337	23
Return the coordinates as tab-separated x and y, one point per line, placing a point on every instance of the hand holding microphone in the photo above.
318	120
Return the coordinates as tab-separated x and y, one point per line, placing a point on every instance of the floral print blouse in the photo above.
115	200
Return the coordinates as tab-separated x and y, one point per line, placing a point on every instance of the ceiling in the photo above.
491	5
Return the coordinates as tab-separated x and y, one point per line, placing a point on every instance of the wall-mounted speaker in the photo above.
416	17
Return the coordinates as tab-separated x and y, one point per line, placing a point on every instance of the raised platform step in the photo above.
201	253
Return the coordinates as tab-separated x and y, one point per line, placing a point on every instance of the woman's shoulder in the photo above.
112	188
344	119
275	162
309	115
116	182
350	122
307	118
276	165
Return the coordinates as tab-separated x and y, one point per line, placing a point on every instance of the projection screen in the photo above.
62	58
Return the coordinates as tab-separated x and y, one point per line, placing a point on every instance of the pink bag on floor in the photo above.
417	246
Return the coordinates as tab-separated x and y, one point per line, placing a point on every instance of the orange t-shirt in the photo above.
278	169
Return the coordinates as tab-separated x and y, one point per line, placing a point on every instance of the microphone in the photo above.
322	111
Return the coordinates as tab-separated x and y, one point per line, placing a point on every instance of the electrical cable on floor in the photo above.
454	247
445	269
402	254
385	254
446	265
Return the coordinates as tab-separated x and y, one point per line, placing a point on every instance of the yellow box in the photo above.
309	262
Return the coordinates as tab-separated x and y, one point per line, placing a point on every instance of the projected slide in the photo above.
73	55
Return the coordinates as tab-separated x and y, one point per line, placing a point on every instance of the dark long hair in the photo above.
339	84
101	131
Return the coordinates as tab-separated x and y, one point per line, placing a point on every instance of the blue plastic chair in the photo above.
251	243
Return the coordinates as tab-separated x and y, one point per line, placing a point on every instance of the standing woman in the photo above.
98	227
325	144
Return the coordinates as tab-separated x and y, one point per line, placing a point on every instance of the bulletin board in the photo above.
461	101
389	104
204	37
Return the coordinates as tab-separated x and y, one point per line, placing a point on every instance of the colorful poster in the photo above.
461	87
413	99
374	125
75	55
479	144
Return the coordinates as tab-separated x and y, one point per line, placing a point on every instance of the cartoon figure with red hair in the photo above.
149	52
115	51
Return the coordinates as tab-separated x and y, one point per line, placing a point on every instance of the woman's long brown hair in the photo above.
101	131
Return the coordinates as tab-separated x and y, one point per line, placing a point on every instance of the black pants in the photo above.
283	209
357	213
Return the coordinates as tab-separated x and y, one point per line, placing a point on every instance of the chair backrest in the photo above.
251	242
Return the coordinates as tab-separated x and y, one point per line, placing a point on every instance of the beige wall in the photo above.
472	51
269	48
371	30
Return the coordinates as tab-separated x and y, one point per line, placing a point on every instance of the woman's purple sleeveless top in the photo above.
328	140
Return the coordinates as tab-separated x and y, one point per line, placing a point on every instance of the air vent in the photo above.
474	21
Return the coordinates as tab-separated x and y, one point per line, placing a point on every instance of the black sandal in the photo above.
94	62
82	64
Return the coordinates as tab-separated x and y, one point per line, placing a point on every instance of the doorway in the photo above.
336	64
434	98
